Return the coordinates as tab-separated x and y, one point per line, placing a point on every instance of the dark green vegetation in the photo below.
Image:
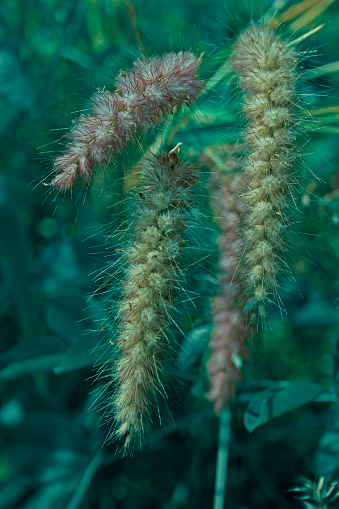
53	55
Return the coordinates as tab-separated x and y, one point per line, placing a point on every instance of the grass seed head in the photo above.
266	69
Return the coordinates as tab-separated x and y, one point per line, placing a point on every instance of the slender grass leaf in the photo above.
79	355
30	366
193	345
322	70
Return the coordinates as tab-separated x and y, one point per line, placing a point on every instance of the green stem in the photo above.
222	458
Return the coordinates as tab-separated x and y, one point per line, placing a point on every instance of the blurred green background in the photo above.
53	55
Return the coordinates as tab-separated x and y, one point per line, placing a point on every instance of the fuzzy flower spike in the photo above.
265	65
152	274
142	98
228	338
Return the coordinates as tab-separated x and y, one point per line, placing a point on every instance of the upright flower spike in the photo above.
152	273
266	65
142	98
229	332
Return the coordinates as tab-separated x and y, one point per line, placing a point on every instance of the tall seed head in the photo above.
228	337
265	65
152	272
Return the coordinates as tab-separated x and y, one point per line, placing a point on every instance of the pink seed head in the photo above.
143	96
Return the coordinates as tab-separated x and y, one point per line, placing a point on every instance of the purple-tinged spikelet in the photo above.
266	65
229	332
142	98
152	273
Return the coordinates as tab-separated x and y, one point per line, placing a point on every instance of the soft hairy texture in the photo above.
142	98
152	273
228	337
265	65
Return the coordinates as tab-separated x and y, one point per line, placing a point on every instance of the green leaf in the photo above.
316	312
219	75
78	57
327	455
65	315
275	402
77	356
322	70
83	353
193	345
30	366
202	136
85	481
